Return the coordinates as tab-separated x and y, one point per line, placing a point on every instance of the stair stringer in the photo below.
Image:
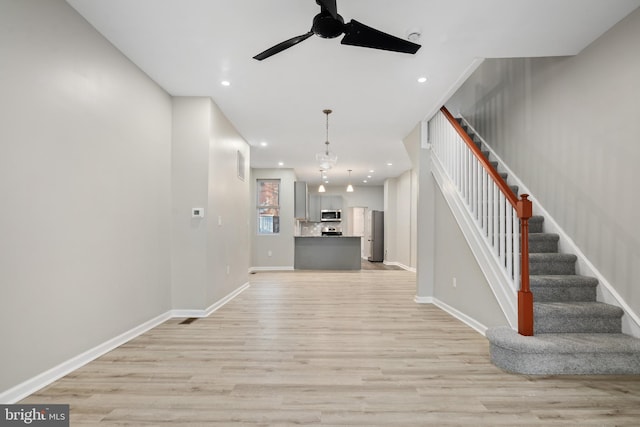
498	280
605	292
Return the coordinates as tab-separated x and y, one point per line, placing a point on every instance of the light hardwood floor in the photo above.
328	348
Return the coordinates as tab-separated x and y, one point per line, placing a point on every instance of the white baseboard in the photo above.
256	269
212	308
221	302
180	313
469	321
398	264
36	383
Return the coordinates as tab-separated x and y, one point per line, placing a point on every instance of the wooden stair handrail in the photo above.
500	182
524	210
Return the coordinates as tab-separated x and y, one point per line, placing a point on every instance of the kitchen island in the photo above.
327	253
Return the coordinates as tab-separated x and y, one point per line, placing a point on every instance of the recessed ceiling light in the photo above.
368	176
371	171
422	79
389	164
364	180
225	83
280	163
263	144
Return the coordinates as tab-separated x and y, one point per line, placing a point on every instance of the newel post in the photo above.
525	297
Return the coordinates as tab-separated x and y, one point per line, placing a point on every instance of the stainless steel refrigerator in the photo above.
376	237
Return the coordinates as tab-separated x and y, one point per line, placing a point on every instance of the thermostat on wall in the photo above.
197	213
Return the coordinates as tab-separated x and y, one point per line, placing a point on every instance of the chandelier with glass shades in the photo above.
326	159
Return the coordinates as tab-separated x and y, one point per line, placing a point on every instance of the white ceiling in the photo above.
189	46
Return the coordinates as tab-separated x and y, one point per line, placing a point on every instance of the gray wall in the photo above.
426	224
400	226
472	294
85	184
209	255
390	219
189	178
401	209
88	179
443	252
280	245
228	233
371	197
568	127
412	142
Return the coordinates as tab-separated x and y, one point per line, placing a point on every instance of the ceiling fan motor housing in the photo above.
326	26
329	24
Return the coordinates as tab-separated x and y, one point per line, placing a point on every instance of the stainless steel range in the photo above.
331	231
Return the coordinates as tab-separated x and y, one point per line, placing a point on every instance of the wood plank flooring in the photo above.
328	348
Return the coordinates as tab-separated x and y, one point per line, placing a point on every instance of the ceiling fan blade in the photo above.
329	6
358	34
282	46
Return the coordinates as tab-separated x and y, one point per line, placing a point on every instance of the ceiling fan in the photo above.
328	24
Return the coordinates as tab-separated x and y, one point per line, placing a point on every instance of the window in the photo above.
268	204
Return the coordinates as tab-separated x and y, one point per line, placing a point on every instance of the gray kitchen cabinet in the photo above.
331	202
327	253
314	207
301	200
318	202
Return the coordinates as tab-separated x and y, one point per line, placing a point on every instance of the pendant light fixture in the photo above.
326	159
349	187
321	188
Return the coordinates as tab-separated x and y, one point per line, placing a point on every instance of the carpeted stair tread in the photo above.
552	263
553	257
543	242
559	280
576	317
554	354
563	343
554	288
576	309
535	224
544	236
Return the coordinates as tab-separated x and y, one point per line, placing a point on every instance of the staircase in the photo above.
573	333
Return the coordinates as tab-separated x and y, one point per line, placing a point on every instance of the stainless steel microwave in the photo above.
330	215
